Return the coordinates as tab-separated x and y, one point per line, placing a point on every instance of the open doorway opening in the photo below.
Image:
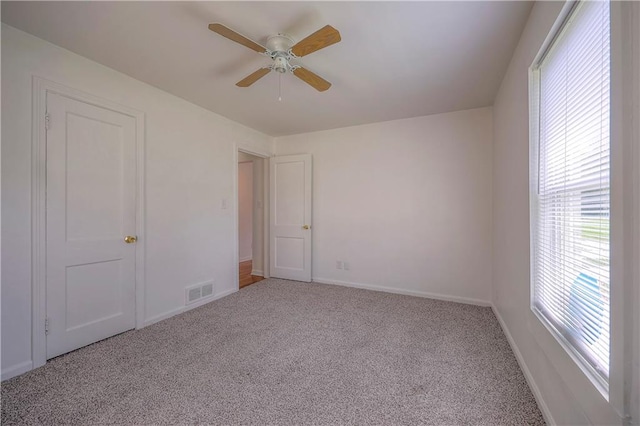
251	218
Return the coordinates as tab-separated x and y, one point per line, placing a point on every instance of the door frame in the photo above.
40	88
265	211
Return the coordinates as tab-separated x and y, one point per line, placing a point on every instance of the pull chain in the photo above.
279	86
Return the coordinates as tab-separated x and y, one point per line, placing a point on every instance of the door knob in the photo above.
130	239
305	227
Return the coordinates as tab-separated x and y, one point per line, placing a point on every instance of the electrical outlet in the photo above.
346	266
338	264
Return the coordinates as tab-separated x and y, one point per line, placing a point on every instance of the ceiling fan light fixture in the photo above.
281	49
281	64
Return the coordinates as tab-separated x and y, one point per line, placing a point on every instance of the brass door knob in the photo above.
305	227
130	239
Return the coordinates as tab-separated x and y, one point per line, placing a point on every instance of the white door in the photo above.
91	172
290	231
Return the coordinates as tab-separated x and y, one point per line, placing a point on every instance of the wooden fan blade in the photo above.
253	77
313	80
234	36
322	38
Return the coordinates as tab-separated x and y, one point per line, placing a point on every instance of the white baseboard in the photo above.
416	293
182	309
16	370
163	316
244	259
257	273
225	293
546	413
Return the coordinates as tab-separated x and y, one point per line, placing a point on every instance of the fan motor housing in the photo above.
279	43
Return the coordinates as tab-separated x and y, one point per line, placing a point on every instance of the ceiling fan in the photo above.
281	49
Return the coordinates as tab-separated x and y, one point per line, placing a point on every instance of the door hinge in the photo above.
47	121
46	326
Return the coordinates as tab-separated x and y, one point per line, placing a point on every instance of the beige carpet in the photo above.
282	352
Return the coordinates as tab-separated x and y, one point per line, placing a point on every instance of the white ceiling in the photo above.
396	59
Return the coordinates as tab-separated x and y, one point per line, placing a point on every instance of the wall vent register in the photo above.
199	291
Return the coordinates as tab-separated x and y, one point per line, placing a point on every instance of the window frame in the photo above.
597	380
622	403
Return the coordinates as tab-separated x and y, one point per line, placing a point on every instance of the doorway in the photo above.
251	219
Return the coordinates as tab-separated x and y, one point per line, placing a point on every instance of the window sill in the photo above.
591	396
598	382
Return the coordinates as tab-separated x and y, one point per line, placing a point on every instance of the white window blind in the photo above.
571	208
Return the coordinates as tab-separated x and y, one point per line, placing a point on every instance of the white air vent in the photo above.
198	291
193	294
207	290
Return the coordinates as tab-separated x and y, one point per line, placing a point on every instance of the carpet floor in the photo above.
283	352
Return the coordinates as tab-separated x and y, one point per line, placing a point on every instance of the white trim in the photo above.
40	88
266	211
417	293
621	205
164	316
17	370
250	151
186	308
257	273
236	223
554	32
38	223
625	182
542	404
245	259
633	386
141	209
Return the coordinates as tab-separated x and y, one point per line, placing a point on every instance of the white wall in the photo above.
564	393
189	171
406	203
245	211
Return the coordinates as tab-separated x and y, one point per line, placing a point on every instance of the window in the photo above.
570	187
